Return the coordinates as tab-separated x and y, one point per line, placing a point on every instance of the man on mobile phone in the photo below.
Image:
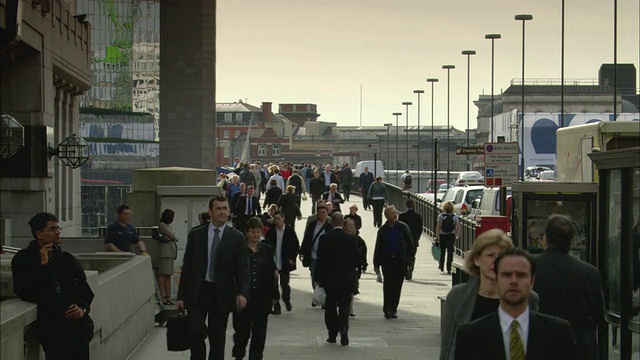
54	279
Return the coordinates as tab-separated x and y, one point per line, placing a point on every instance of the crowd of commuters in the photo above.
239	261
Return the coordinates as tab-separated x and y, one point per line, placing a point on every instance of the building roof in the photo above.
236	107
557	89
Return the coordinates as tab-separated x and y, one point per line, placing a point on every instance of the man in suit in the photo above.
393	251
414	221
513	331
333	197
337	273
316	189
365	179
309	246
214	280
284	241
247	206
569	288
346	177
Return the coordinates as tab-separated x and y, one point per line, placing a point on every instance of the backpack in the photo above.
408	179
448	226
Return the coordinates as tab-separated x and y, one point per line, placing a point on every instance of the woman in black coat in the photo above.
288	204
272	195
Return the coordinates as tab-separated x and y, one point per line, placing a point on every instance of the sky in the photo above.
323	52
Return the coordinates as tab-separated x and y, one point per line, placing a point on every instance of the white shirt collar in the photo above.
505	326
211	227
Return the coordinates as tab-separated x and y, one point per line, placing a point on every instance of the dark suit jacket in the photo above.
272	196
549	338
288	204
242	204
380	253
365	181
337	200
338	262
414	221
308	240
290	247
316	188
266	289
572	290
232	267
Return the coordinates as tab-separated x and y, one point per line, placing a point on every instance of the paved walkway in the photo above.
301	333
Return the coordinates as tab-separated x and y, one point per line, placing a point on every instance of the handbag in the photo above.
435	250
178	332
319	296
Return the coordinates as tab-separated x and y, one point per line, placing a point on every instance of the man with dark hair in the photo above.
284	241
569	288
309	247
54	279
121	234
316	189
513	331
346	178
215	279
365	179
414	221
247	205
246	176
337	273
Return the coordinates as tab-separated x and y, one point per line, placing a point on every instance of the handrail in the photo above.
10	249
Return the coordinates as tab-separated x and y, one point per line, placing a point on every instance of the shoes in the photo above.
168	302
287	305
352	314
409	276
277	310
387	315
449	272
332	339
313	305
344	340
394	314
440	268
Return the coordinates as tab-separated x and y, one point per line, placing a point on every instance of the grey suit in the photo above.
217	300
461	301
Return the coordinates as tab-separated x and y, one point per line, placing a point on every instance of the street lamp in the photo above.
419	166
492	37
396	114
388	152
448	68
468	53
524	18
406	138
434	174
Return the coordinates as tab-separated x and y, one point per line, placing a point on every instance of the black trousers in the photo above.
346	190
314	200
250	323
69	350
365	200
378	205
285	277
393	271
336	312
446	243
217	325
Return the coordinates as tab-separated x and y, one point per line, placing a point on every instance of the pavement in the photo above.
301	333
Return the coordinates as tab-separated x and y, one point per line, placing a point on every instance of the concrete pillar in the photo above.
187	95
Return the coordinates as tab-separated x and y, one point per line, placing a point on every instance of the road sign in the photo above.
470	150
501	164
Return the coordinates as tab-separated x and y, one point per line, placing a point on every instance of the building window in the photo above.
225	134
239	117
227	118
275	150
236	133
225	152
262	150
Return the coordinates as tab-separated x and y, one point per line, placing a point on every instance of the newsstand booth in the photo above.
534	201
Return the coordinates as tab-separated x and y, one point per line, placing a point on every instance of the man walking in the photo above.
513	331
284	241
329	177
214	281
337	273
414	221
569	288
54	279
393	251
333	197
316	189
247	206
312	233
365	179
346	178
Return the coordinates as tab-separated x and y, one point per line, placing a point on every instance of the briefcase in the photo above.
178	332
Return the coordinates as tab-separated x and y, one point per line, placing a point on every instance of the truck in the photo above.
575	142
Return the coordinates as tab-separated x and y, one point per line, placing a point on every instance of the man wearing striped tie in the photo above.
514	332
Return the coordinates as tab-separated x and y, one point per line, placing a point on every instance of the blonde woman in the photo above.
447	230
478	296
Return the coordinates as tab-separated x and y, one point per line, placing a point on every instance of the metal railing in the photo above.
141	230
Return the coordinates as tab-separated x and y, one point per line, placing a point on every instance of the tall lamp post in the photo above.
434	174
448	68
388	125
524	18
396	114
406	137
419	166
492	37
468	53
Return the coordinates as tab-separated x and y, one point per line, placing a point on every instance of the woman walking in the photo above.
447	231
167	254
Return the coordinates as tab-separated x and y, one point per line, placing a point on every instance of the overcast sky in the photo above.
322	51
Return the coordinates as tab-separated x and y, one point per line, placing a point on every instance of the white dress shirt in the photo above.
278	253
523	329
319	228
209	243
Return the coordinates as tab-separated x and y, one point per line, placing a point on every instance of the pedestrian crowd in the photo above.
239	261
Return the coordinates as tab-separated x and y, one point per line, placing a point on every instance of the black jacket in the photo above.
309	239
414	221
338	262
316	188
380	253
288	204
290	247
272	196
53	287
337	200
263	286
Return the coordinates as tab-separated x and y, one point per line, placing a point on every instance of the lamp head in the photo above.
388	124
524	17
493	36
432	80
407	103
468	52
397	114
448	67
418	91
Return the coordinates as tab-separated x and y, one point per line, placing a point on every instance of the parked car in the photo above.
441	190
468	178
462	197
430	188
532	172
489	203
548	175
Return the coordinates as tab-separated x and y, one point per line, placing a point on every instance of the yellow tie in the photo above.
515	343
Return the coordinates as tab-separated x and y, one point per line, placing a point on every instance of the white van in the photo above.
375	167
